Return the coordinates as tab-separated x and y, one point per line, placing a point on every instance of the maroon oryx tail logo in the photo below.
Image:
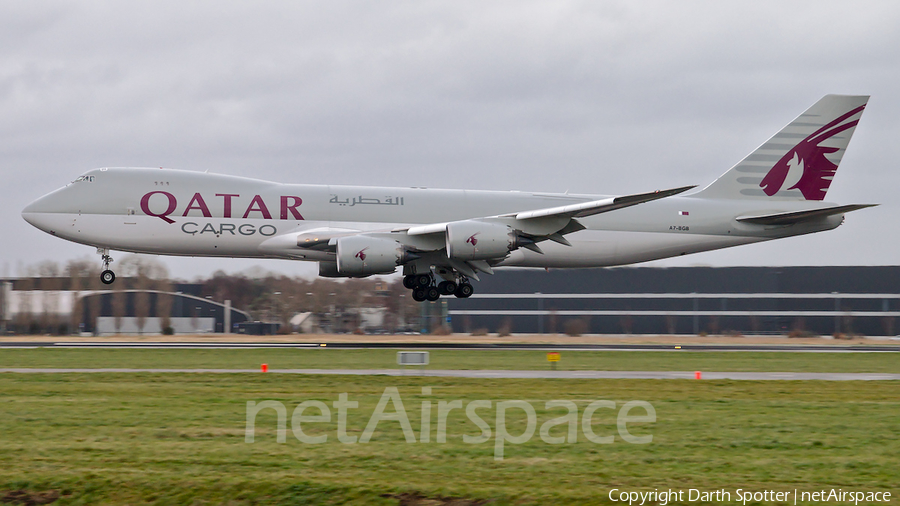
472	240
361	254
805	167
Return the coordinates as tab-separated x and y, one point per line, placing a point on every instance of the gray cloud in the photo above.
606	97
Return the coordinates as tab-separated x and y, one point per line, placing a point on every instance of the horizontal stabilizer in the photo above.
792	217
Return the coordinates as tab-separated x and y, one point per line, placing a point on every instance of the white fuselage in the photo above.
171	212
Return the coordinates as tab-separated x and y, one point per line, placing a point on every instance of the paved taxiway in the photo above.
459	346
445	373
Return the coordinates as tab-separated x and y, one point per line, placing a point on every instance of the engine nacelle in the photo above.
477	240
361	255
329	270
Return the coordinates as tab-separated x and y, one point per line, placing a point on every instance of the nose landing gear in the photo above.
107	276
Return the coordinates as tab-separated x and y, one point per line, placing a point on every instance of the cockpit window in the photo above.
89	179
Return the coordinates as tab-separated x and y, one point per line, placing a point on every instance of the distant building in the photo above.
685	300
257	328
51	305
304	323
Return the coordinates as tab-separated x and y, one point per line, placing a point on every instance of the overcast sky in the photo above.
600	97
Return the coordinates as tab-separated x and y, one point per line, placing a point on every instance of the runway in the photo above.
817	348
497	374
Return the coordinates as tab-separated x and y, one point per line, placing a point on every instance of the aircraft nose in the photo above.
35	211
38	206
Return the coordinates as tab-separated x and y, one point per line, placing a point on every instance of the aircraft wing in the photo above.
540	221
792	217
466	245
600	206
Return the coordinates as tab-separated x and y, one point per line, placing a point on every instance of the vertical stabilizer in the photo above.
799	162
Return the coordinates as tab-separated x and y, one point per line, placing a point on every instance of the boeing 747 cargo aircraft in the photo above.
442	239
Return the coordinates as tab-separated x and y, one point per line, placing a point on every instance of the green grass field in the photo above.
282	358
107	438
179	439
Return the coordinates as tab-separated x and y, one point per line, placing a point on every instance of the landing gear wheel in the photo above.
423	280
107	277
418	294
409	282
464	291
447	287
432	293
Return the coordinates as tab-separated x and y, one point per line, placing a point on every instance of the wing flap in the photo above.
431	228
320	239
792	217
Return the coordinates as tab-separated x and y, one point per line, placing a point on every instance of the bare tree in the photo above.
146	273
141	299
141	307
84	280
50	313
133	266
119	302
23	318
75	283
553	321
164	305
44	295
671	324
194	313
47	269
4	305
94	307
394	305
80	273
240	290
627	323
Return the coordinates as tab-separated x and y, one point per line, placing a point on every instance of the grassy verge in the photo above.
452	359
180	439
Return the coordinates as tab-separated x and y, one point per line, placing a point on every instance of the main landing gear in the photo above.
107	276
424	288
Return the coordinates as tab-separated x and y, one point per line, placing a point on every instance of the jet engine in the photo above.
478	240
359	255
